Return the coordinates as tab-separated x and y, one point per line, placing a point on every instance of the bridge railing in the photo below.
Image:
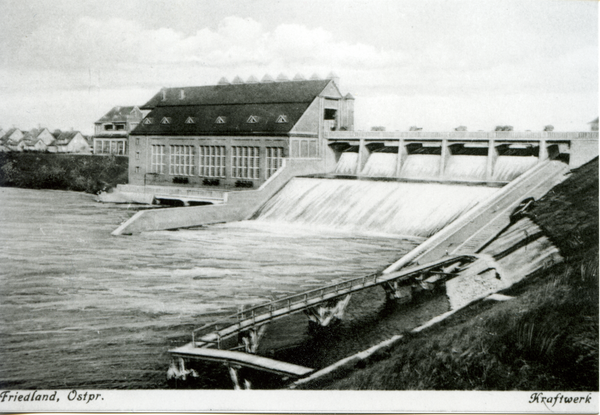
201	334
283	303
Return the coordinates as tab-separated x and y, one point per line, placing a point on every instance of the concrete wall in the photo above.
240	205
582	150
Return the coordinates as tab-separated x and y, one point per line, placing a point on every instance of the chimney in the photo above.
164	94
347	112
181	94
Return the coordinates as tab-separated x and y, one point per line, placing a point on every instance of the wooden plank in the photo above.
241	358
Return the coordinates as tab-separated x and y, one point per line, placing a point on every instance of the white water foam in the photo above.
381	165
347	163
421	166
463	167
399	208
508	168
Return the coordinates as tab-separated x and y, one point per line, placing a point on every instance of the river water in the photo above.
80	308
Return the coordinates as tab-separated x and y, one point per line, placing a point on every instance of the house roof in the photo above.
8	134
233	119
65	138
254	93
594	122
274	107
117	114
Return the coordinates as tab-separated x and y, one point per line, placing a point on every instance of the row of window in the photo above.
253	119
109	147
110	127
245	161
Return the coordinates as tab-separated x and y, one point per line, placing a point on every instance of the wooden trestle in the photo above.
321	305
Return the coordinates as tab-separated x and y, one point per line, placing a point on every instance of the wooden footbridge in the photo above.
322	306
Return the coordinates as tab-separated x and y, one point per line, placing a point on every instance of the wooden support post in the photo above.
395	291
235	377
250	339
325	313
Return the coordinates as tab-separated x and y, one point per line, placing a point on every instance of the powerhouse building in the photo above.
235	135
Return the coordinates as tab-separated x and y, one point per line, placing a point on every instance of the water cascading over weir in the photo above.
363	206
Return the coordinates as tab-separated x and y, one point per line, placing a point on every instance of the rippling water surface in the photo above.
82	309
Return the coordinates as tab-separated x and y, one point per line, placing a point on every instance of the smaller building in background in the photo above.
37	139
111	132
70	142
12	139
594	124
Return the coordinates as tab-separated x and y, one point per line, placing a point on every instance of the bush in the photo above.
211	182
244	183
76	172
181	180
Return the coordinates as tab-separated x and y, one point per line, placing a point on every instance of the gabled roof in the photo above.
117	114
254	93
65	138
232	109
30	137
223	119
7	135
594	122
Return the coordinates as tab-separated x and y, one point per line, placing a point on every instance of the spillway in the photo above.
508	168
462	167
347	163
400	208
421	166
381	165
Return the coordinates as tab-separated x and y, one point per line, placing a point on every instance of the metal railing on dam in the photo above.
461	135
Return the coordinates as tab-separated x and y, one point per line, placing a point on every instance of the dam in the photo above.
456	194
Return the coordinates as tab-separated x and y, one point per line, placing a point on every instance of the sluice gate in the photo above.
456	155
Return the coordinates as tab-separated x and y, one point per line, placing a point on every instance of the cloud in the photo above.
430	71
91	42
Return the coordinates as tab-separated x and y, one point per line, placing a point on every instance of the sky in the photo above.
435	64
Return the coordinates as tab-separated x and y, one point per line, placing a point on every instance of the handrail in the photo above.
558	135
323	293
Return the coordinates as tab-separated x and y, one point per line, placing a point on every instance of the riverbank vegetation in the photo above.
77	172
546	338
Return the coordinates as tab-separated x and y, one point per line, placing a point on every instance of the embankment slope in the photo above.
546	338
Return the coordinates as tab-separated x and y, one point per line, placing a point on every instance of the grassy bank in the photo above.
544	339
76	172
